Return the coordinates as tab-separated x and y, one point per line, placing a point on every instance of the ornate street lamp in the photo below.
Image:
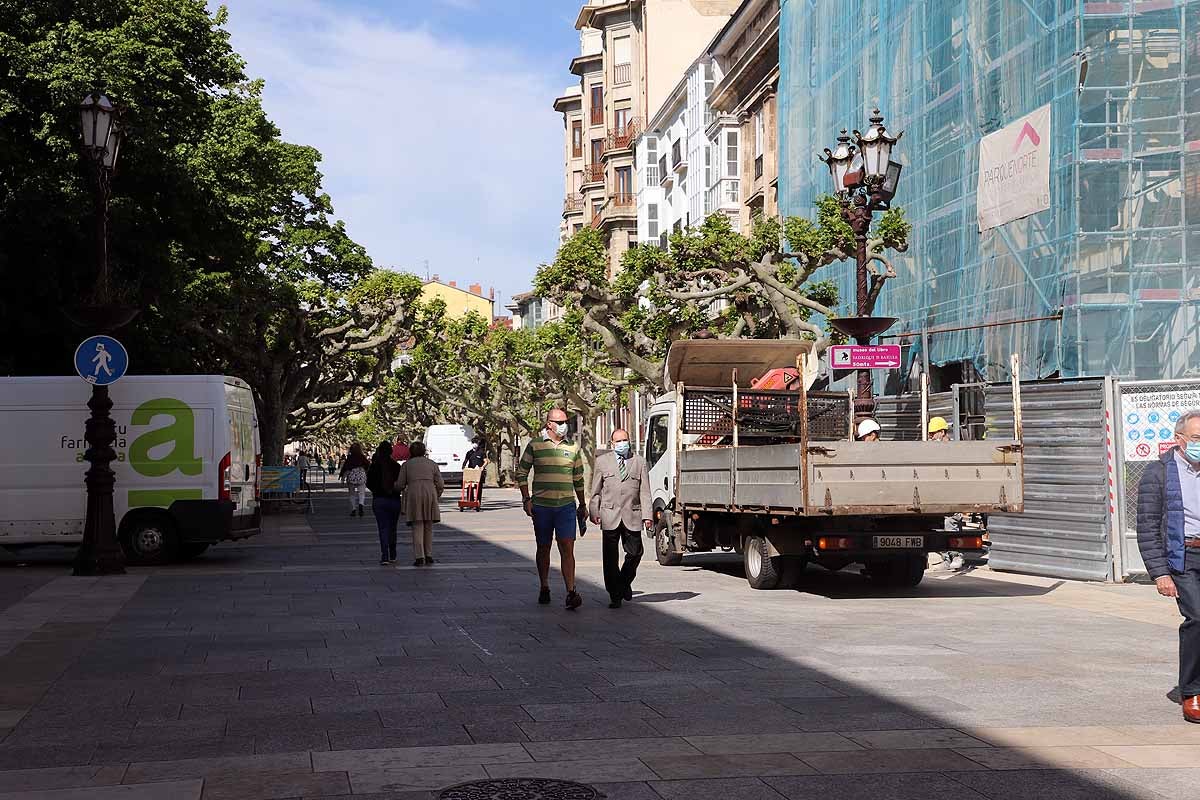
100	553
864	181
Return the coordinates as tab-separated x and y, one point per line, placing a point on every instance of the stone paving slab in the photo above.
292	665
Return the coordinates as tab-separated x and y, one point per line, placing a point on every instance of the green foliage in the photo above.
893	230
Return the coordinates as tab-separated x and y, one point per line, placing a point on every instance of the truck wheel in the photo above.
762	571
149	539
662	542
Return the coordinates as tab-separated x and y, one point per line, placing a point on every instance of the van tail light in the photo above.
257	473
223	471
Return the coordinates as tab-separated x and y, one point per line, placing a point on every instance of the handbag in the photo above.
356	476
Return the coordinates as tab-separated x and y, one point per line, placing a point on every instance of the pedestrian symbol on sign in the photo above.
101	360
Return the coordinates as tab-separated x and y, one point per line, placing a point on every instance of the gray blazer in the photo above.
617	501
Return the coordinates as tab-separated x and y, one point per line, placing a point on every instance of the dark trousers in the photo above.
1188	584
387	517
618	579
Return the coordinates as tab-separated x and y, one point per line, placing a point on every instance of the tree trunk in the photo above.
272	424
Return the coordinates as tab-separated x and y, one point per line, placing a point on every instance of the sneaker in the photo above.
419	562
428	561
383	562
544	597
574	601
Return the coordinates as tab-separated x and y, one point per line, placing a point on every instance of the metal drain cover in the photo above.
520	789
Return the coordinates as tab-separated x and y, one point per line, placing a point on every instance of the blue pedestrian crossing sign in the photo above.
101	360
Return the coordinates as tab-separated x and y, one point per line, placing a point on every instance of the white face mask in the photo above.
558	428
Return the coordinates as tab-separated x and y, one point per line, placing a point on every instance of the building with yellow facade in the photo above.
459	302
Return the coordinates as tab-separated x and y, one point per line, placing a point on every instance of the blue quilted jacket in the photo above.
1160	517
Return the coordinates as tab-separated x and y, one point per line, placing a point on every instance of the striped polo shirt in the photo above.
557	471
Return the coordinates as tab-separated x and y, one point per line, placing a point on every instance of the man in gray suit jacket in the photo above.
621	506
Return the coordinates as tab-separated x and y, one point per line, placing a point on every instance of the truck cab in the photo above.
776	475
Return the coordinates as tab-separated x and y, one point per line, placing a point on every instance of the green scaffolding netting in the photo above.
1119	247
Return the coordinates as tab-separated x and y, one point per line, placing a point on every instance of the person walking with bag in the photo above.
420	480
385	500
354	473
621	506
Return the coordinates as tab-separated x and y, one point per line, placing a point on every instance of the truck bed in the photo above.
846	478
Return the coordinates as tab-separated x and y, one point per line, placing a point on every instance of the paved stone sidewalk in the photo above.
294	666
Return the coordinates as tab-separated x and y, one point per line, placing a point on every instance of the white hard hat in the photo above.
867	426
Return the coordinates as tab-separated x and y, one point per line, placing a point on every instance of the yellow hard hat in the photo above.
937	424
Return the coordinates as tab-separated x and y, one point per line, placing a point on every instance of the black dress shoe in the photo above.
616	603
428	561
544	597
628	595
419	562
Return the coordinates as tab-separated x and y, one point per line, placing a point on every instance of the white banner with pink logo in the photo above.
1014	170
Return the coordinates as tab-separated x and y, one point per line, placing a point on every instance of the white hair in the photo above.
1182	422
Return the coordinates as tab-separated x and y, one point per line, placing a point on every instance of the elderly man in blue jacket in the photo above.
1168	528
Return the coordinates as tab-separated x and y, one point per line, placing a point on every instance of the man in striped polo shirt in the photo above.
557	503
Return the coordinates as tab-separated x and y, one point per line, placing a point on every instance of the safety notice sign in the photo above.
1148	419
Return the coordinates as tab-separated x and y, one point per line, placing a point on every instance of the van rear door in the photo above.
243	449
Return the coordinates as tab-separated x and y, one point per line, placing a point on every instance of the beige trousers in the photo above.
422	538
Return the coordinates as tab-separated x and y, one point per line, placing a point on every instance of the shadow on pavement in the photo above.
306	654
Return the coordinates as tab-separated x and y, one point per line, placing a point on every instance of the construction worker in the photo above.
868	431
939	430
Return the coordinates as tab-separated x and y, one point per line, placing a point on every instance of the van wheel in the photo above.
762	571
662	542
149	539
192	549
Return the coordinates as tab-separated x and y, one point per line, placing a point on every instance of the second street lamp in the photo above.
864	181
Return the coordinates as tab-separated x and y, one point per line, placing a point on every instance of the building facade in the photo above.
743	123
631	56
460	302
529	311
1104	282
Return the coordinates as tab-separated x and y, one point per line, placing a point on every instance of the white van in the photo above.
186	469
448	445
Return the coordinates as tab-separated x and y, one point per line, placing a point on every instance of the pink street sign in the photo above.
871	356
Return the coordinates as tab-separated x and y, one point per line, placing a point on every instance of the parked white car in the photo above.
187	463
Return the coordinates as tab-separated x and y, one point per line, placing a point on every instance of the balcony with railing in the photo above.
620	206
623	139
573	204
622	74
593	173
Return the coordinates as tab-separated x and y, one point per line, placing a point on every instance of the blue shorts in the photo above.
554	523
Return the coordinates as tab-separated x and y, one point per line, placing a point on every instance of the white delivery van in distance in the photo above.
186	468
448	445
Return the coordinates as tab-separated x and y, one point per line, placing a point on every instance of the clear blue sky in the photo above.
434	118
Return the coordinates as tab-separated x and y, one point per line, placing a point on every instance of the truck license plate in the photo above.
899	541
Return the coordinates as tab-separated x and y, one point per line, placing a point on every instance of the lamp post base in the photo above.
100	553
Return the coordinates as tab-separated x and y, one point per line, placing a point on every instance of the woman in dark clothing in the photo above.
354	473
385	500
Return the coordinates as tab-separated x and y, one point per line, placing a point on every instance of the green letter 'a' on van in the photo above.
181	432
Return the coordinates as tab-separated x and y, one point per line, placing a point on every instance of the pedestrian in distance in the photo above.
556	504
303	463
868	431
385	500
621	507
476	458
354	473
1168	534
420	480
